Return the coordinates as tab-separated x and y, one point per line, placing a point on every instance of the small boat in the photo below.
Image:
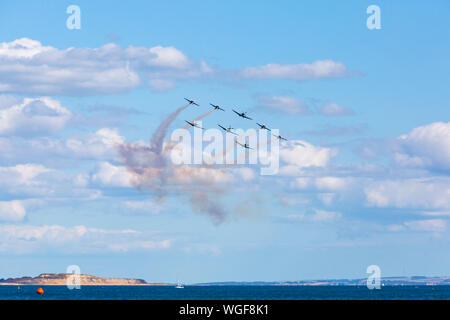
179	285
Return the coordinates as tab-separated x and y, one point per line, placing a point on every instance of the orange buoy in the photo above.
40	291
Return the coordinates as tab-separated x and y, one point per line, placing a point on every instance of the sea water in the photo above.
25	292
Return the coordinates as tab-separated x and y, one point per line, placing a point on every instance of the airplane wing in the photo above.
243	145
221	109
188	100
247	117
189	122
222	127
196	104
236	112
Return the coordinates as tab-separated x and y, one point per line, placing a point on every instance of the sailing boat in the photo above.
179	285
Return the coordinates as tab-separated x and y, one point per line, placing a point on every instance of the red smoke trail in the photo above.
170	144
151	169
147	166
204	115
199	117
157	138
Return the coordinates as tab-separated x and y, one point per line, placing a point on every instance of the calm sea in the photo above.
224	293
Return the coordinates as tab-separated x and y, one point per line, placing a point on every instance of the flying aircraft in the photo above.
242	115
244	145
193	124
217	107
228	129
191	101
262	126
279	137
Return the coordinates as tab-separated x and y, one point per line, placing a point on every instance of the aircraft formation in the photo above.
229	129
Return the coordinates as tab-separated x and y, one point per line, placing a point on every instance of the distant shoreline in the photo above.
93	285
61	279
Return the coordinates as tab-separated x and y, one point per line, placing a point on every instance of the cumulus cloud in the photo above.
426	146
24	179
321	69
297	155
332	183
431	193
111	175
20	239
98	145
334	109
34	116
35	183
12	211
287	105
26	66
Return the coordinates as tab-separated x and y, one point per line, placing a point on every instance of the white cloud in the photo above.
12	211
298	154
288	105
245	174
21	174
301	183
7	101
436	213
143	206
141	245
28	238
192	175
431	225
112	176
22	48
410	193
24	179
26	66
33	116
331	183
333	109
317	70
326	198
427	146
98	145
317	216
322	216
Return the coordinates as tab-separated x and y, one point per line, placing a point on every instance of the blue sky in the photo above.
371	185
